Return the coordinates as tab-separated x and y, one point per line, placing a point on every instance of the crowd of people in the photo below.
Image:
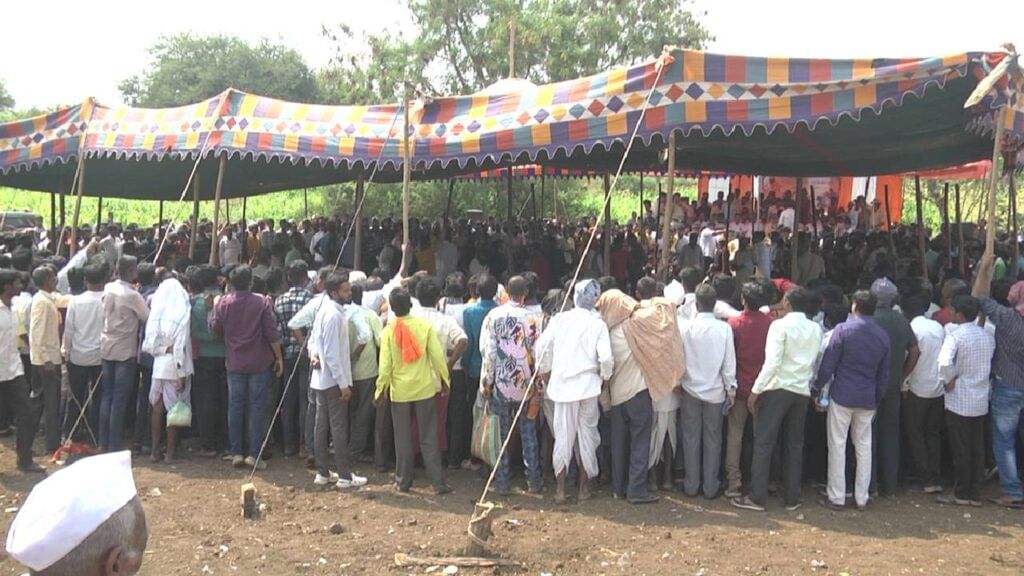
739	370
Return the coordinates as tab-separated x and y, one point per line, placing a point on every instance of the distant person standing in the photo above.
83	324
44	347
13	388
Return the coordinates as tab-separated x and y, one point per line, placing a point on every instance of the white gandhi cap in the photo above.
63	510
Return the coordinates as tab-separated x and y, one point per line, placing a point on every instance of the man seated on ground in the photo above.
84	520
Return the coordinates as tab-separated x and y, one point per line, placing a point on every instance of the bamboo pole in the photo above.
160	216
245	222
406	178
554	196
947	233
993	182
960	234
305	202
640	214
543	195
794	240
533	199
607	232
99	211
728	220
920	227
194	232
227	210
215	238
814	212
508	191
53	212
448	204
666	210
357	257
64	191
1014	234
78	204
888	224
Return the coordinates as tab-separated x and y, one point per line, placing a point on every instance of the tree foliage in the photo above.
187	69
6	100
461	46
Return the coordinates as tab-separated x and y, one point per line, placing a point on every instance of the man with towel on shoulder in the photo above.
84	520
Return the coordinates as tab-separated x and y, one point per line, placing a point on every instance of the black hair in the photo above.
865	302
357	292
487	286
915	305
275	281
428	291
690	277
706	298
725	286
241	277
969	306
803	300
646	288
95	274
42	274
297	273
607	283
835	314
76	279
518	287
127	268
146	273
753	294
454	286
334	281
400	302
8	277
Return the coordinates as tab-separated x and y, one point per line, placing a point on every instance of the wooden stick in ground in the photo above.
1014	234
947	233
993	181
920	227
78	203
728	220
666	210
215	240
960	234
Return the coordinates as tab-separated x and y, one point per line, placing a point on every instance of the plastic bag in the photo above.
180	415
486	441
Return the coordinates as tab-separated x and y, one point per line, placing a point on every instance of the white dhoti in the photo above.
575	423
663	424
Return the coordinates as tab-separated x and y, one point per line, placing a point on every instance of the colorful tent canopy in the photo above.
775	116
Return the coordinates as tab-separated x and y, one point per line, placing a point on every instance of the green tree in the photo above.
6	100
461	46
186	69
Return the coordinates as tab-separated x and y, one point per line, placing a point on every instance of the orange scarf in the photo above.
406	341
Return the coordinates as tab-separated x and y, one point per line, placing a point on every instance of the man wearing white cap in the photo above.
82	520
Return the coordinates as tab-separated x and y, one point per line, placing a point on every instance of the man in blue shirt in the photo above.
856	362
463	397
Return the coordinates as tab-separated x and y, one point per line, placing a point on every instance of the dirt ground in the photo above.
195	527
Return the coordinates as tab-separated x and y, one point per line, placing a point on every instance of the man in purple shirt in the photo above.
246	322
855	367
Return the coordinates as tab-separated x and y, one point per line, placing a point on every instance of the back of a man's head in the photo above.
804	301
518	288
706	298
127	268
116	547
690	277
753	294
428	292
487	286
646	288
967	306
863	303
241	278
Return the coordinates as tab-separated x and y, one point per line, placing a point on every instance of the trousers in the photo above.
702	445
855	423
924	424
361	416
211	385
331	425
14	395
426	420
47	405
1007	411
737	423
785	411
886	438
631	441
967	440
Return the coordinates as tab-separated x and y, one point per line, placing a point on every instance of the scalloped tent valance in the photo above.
773	116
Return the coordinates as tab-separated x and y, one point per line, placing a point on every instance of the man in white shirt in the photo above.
575	351
331	382
709	389
13	388
83	324
446	260
787	218
780	396
229	248
922	395
965	365
708	242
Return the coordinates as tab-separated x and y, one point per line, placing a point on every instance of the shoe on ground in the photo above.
238	461
535	488
794	507
252	462
646	499
953	500
441	491
321	480
863	507
8	431
470	465
733	493
830	505
402	489
933	489
354	481
32	468
746	503
1007	502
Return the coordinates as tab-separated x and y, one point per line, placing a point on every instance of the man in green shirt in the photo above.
903	355
210	372
409	349
364	374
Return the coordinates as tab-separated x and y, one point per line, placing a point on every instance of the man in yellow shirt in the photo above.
410	355
44	346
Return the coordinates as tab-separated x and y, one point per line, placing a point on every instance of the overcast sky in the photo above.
71	50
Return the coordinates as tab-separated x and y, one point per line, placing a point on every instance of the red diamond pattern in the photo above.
757	90
674	93
523	118
596	107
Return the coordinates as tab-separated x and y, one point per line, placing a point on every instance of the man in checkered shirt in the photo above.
293	410
965	362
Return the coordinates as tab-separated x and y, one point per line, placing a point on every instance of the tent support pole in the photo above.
1015	266
640	214
920	226
607	231
554	196
357	256
993	182
960	233
305	202
244	202
64	191
99	211
215	240
508	191
888	224
406	179
814	212
53	213
194	229
666	216
543	198
728	221
227	210
794	236
78	205
448	204
160	216
533	199
946	232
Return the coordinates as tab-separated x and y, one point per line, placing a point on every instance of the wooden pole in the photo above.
728	222
960	234
814	212
448	204
543	195
227	210
245	200
794	237
947	233
533	199
508	191
99	211
78	204
1014	234
666	210
195	218
406	178
920	226
993	181
53	213
554	196
357	257
888	224
64	191
607	232
215	238
512	47
305	202
160	216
